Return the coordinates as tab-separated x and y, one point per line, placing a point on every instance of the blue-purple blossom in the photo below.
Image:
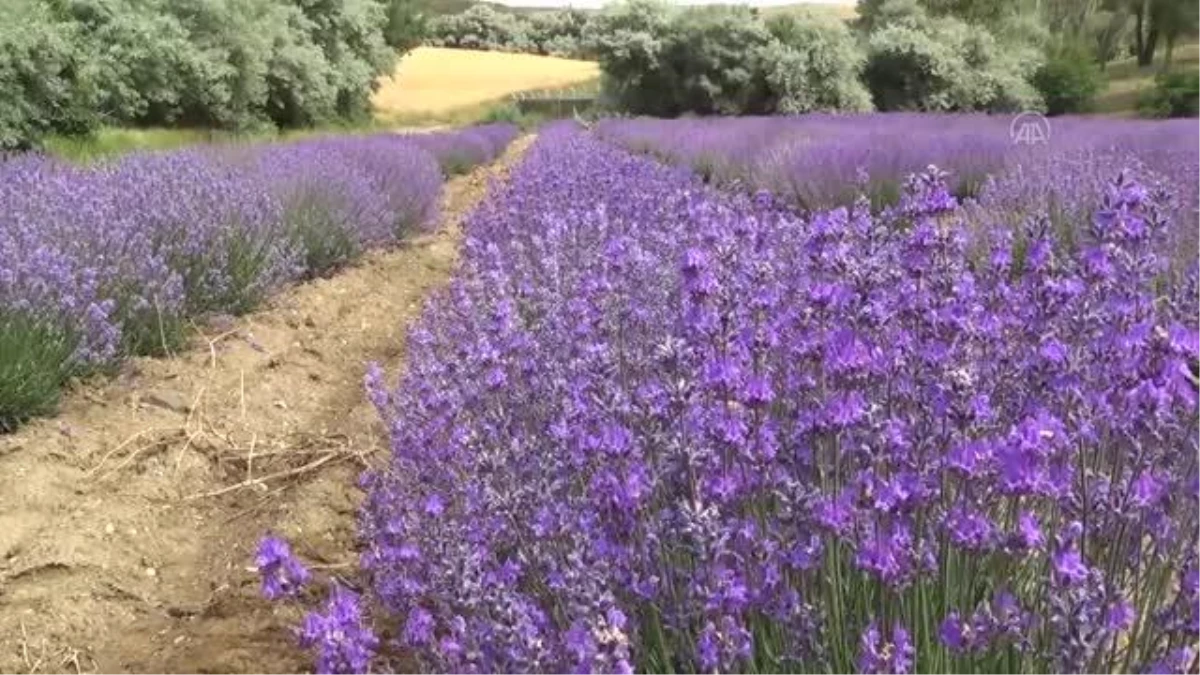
111	260
340	636
282	573
651	424
880	653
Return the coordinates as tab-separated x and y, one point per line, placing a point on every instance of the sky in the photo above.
592	4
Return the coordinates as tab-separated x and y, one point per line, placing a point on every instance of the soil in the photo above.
128	522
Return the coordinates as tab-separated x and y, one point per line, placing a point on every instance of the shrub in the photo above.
1069	80
35	360
481	27
947	65
246	65
1175	94
49	80
815	65
662	61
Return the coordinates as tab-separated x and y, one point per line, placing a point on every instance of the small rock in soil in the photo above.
220	323
168	399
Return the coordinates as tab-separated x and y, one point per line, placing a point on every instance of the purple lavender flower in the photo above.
107	261
885	654
340	636
282	574
654	425
418	629
1069	567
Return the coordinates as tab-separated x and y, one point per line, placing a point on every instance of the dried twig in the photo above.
257	505
31	666
187	425
265	479
72	658
250	458
213	342
125	443
129	459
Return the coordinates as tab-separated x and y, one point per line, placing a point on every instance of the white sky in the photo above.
591	4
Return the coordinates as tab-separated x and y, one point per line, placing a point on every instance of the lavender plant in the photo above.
818	162
650	426
103	261
458	151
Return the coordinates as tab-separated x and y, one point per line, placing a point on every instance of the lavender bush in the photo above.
112	259
820	161
653	427
458	151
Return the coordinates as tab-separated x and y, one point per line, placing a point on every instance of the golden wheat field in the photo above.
438	79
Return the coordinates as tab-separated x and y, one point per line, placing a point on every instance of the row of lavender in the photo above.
100	262
652	426
821	161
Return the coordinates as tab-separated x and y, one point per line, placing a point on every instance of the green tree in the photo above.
711	55
49	82
1070	79
948	65
875	13
628	39
1176	19
407	25
482	27
814	65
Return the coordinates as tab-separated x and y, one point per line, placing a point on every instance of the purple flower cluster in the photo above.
652	426
111	259
458	151
282	573
820	161
340	636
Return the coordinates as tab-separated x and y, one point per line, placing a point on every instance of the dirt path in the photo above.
128	523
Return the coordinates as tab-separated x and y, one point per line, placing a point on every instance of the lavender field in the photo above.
817	162
101	262
658	425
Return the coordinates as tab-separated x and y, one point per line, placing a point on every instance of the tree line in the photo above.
69	66
934	55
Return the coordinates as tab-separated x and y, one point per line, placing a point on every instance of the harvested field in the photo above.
432	80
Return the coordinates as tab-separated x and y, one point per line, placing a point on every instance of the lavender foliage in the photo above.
651	426
103	261
821	161
458	151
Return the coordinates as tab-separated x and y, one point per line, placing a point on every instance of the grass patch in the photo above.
35	361
113	141
1128	82
110	142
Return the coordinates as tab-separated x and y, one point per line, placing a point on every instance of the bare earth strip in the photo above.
128	523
